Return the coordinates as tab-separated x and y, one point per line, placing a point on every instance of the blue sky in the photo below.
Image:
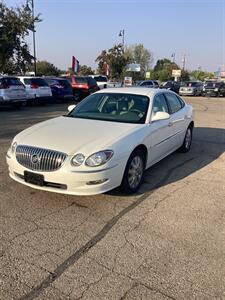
83	28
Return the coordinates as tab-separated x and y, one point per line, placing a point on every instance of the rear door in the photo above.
177	120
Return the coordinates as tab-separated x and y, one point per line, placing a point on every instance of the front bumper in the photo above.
68	180
211	93
187	93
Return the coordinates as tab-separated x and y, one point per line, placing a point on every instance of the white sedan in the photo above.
106	141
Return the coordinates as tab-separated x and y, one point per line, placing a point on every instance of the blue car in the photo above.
61	89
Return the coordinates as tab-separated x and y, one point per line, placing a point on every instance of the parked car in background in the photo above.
149	84
82	86
172	86
191	88
61	88
12	92
106	141
38	90
101	80
215	89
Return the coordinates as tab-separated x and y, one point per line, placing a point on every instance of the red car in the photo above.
82	86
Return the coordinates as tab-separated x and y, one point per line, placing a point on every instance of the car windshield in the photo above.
113	107
212	84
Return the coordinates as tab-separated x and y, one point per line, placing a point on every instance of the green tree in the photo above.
201	75
163	69
116	59
46	68
15	24
86	70
140	55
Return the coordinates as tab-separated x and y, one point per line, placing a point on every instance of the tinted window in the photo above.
81	80
101	78
159	104
92	81
37	81
11	81
213	84
174	103
69	79
64	83
156	83
146	83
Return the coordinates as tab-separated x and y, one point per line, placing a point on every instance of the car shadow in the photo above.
208	144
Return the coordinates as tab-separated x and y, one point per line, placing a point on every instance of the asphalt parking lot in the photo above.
167	242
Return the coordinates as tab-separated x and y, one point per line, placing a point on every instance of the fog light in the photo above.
96	181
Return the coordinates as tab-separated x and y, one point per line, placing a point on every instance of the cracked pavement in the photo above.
166	242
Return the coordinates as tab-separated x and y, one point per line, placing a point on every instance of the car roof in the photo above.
135	90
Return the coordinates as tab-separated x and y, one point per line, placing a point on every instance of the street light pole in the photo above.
31	2
122	34
34	42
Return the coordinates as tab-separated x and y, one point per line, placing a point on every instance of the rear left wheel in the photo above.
186	146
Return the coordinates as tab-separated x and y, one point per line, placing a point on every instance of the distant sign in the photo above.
148	75
134	68
127	81
176	73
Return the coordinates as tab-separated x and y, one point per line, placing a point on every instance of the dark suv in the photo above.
215	89
61	88
82	86
172	86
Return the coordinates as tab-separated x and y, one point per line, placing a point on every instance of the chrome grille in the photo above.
38	159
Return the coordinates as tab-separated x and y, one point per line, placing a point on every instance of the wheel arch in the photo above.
143	149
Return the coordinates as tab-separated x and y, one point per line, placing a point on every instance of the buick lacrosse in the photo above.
106	141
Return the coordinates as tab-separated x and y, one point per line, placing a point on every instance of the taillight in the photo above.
34	86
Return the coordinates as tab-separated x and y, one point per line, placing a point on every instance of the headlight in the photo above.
13	147
216	89
99	158
77	160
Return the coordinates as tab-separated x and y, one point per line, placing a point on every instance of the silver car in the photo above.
191	88
12	92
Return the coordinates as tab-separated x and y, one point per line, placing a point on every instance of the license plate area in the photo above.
33	178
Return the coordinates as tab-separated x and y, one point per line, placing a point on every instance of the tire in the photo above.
76	96
186	146
134	171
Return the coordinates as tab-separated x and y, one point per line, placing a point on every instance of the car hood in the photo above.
73	135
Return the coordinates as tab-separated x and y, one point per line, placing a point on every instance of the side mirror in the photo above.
71	107
160	115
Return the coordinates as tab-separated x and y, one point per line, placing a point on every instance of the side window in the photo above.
174	103
159	104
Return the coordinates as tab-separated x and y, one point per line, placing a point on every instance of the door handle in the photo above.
170	124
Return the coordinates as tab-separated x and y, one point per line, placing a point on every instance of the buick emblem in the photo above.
35	158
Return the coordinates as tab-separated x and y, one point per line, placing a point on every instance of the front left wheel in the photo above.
133	175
